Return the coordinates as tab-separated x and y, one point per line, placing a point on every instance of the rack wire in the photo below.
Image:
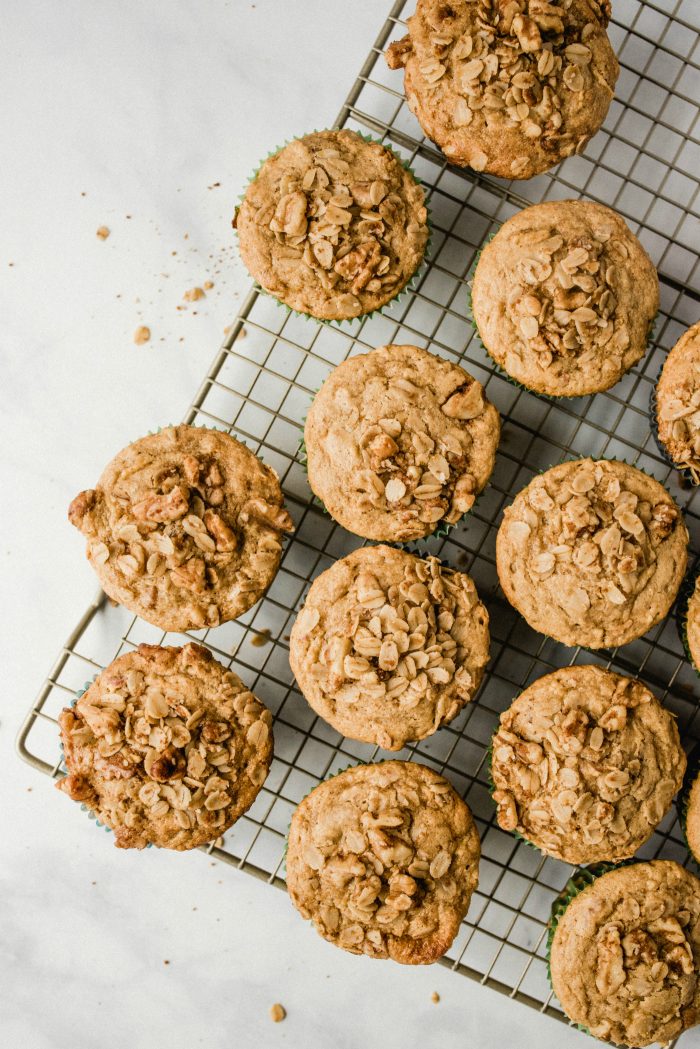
645	163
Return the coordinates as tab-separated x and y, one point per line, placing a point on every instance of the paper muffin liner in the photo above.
408	288
683	800
684	473
63	767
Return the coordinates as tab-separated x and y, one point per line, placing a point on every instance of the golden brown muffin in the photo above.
678	404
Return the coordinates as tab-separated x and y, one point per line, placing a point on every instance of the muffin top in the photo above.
692	623
592	553
398	440
384	860
167	747
690	804
388	646
585	764
625	956
184	527
508	86
333	225
678	403
564	297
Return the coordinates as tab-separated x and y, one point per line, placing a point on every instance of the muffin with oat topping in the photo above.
564	298
399	440
384	860
689	804
509	87
388	646
678	404
592	553
184	527
166	747
688	616
585	764
625	953
333	225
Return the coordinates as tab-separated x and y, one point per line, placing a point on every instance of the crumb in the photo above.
166	961
141	335
186	236
29	790
277	1012
83	193
219	842
261	639
214	185
103	232
173	253
435	997
208	284
93	883
10	264
287	637
127	216
193	294
243	334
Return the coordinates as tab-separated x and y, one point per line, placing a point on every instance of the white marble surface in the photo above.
134	108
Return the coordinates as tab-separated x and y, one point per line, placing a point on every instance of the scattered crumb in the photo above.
193	294
208	284
261	639
435	997
219	842
83	193
277	1012
103	232
166	961
10	264
127	216
243	334
214	185
29	790
141	335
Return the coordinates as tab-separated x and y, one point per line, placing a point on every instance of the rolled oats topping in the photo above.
592	553
585	764
625	956
564	297
388	647
508	86
678	403
184	528
384	860
397	441
333	225
167	747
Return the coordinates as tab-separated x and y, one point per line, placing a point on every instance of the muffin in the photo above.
689	804
585	764
384	860
688	616
388	647
625	954
678	405
510	88
333	225
399	440
166	747
592	553
184	527
564	297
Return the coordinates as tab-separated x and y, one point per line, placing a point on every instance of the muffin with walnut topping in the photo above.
388	646
564	298
585	764
399	440
384	860
333	225
624	952
677	398
592	553
510	87
184	527
166	747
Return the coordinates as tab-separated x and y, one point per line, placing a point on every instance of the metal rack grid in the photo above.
645	164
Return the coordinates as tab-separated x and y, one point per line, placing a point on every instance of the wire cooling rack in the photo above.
645	163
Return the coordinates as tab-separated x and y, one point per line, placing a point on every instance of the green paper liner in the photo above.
411	283
683	800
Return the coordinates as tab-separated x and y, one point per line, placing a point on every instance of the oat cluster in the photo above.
626	954
410	435
508	86
333	225
184	527
166	747
388	646
592	553
564	297
585	764
384	860
678	403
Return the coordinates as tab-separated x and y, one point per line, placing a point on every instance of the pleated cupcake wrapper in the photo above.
91	815
410	285
685	474
683	800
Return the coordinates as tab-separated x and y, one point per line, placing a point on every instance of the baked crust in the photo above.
184	527
509	87
564	297
678	403
398	440
333	225
388	647
625	956
586	764
592	553
384	860
692	817
167	747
